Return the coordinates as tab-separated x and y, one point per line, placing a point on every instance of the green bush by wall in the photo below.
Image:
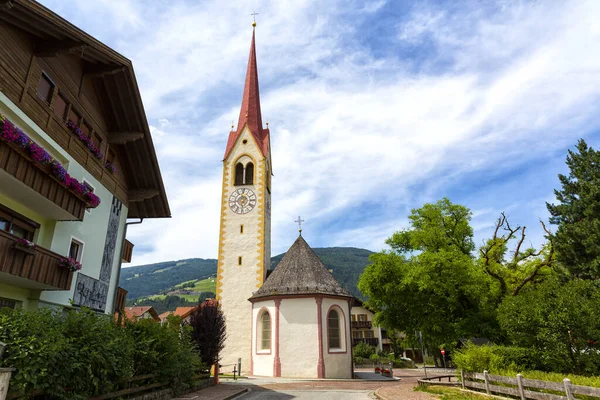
78	354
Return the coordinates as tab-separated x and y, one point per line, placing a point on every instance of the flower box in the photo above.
24	246
377	370
386	372
70	263
16	139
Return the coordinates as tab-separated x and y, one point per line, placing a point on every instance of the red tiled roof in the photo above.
250	112
138	311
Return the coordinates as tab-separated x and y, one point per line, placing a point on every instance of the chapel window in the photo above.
265	337
249	174
239	174
333	330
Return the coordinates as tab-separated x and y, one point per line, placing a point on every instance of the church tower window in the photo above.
333	330
265	331
239	174
249	174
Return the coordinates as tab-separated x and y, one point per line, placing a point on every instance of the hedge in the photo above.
79	354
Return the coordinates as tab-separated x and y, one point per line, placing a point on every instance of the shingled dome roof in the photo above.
300	272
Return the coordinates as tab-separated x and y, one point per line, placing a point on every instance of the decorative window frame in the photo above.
259	332
81	248
244	164
343	349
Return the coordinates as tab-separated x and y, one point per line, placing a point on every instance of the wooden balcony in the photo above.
127	251
54	200
361	324
31	269
369	341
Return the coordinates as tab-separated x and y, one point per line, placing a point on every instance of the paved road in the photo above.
263	394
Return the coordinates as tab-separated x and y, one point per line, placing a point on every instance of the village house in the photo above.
137	313
363	329
184	313
76	162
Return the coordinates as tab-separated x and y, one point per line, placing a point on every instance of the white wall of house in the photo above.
376	331
57	235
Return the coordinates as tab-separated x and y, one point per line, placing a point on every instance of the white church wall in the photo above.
338	361
262	359
298	337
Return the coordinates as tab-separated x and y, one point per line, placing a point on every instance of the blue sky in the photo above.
374	107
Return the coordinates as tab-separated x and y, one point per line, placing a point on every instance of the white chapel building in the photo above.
296	322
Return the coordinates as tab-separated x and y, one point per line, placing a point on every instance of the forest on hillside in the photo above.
141	282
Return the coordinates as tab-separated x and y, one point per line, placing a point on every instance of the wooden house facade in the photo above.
76	161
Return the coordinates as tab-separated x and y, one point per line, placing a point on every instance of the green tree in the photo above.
512	272
429	281
577	213
559	319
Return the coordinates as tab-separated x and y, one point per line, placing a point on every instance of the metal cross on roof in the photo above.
299	221
254	14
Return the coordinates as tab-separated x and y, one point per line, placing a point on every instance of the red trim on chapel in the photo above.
320	363
277	360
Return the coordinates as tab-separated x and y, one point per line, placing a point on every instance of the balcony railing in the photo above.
362	324
369	341
31	268
55	200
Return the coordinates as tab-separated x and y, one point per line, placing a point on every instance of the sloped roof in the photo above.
300	272
138	311
250	113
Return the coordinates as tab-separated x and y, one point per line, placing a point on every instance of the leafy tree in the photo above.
559	319
429	281
523	266
577	213
208	330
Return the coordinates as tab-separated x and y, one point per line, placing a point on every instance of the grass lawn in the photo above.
183	283
206	285
451	393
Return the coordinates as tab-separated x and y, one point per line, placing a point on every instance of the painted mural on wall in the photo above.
111	240
91	292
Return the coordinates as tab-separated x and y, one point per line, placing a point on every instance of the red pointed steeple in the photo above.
250	112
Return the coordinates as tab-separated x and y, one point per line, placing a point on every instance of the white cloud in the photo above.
481	93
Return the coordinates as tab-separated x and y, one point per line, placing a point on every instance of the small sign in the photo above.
443	351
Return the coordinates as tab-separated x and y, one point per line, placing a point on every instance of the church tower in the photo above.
245	233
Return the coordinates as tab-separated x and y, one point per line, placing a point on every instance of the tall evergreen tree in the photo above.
577	214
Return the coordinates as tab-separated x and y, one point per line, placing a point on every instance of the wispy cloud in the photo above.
368	118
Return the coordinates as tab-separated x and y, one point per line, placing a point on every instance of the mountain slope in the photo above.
347	263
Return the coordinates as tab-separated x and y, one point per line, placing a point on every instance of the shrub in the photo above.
473	358
363	350
495	358
79	354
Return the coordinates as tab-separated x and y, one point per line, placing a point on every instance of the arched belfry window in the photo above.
333	330
265	331
249	174
239	174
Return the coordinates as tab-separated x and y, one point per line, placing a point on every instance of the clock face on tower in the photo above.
242	201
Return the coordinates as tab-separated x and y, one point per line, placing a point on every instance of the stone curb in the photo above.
379	395
236	394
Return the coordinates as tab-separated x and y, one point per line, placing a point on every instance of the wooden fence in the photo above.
526	388
137	385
